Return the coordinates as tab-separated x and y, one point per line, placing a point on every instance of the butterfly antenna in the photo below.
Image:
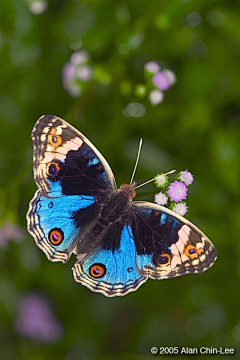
147	182
136	164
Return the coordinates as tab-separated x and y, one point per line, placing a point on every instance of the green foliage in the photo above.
195	128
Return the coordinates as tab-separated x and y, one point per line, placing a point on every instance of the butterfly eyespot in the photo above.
191	252
98	167
97	270
56	236
164	259
156	213
53	169
54	139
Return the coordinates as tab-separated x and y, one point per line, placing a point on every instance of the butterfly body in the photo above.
119	243
112	213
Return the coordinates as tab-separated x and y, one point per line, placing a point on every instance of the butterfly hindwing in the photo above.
74	181
111	268
168	245
53	223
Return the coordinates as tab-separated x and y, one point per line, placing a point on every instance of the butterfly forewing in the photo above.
63	154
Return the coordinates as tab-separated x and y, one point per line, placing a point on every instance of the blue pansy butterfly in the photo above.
119	243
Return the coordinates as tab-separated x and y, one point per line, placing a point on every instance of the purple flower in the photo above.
69	80
36	320
186	177
10	231
68	72
180	208
161	199
152	67
76	71
161	80
177	191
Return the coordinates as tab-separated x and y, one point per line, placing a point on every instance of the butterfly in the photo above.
118	243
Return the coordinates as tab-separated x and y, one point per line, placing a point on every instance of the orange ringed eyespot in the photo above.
164	259
191	252
56	236
54	139
97	270
53	169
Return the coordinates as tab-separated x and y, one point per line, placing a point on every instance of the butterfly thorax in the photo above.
127	190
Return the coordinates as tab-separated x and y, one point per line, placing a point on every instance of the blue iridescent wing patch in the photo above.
111	271
168	245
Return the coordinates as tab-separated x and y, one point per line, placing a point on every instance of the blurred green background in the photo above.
195	128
